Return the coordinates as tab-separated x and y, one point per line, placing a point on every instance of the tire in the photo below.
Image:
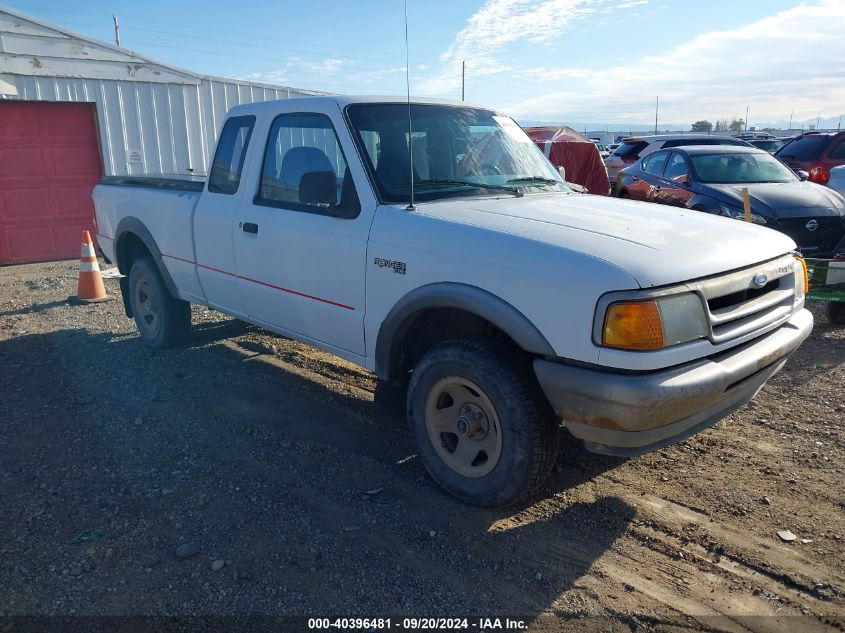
836	312
162	321
624	194
484	430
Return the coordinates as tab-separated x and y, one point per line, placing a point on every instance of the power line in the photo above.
129	18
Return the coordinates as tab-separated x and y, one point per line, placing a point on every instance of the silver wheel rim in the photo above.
463	426
146	307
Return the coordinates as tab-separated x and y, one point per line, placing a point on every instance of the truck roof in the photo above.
344	100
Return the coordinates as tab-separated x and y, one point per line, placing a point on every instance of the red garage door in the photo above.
49	164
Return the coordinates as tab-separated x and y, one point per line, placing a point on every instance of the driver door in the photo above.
300	239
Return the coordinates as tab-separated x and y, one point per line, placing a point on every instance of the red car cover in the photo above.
577	154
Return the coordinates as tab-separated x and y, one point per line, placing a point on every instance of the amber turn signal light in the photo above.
633	325
806	276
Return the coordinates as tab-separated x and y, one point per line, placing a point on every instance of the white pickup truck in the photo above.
452	254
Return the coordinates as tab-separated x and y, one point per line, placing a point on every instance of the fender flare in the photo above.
460	296
133	226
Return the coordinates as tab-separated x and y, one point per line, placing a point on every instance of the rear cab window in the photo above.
229	158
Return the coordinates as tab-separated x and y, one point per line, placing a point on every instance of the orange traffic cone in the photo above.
90	288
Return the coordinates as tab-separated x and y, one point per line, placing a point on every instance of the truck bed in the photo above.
172	183
165	206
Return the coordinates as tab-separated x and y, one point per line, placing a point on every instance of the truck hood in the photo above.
782	199
656	244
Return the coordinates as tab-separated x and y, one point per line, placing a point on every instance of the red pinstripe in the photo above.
262	283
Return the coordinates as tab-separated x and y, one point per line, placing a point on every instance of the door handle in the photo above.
249	227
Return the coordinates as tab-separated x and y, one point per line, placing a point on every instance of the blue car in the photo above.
711	179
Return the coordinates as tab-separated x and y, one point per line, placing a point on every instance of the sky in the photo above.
576	61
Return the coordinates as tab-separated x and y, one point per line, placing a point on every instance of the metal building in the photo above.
73	109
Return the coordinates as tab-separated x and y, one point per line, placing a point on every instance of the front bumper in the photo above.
631	414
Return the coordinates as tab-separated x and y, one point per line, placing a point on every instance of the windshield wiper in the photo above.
540	179
467	183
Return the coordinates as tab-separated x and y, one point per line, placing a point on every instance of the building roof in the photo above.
34	47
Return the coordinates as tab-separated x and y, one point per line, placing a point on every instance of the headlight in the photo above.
739	214
654	323
802	278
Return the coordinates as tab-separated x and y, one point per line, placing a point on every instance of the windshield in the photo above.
740	168
456	151
770	145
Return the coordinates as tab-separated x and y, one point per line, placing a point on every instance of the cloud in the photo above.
778	64
631	3
495	26
295	66
378	76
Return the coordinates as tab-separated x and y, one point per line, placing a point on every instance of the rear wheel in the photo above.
836	312
484	430
162	320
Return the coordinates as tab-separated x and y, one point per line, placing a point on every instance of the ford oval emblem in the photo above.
759	280
812	225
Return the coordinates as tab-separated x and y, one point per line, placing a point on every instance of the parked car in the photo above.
612	147
749	136
475	276
711	179
771	145
837	180
636	147
816	153
602	149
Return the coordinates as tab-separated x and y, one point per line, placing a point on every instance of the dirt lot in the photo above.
294	471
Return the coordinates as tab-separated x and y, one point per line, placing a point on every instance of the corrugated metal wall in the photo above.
153	128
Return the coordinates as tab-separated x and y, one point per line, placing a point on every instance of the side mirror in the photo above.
802	175
318	188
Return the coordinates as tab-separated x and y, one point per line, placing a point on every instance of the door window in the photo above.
676	169
229	158
654	164
305	169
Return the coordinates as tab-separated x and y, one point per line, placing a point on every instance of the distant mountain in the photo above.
830	123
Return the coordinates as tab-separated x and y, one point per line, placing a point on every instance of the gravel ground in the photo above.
249	474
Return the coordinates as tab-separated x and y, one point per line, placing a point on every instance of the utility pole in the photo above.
817	120
839	125
463	77
116	31
656	108
790	119
746	118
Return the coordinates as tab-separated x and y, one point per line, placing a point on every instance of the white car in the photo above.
504	301
837	180
635	147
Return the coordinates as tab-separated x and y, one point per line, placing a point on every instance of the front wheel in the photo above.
484	430
162	320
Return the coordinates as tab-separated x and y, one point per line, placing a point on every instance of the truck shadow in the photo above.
270	470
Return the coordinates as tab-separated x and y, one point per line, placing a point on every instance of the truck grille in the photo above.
823	239
742	302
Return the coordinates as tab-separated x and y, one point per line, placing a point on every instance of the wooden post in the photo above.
746	204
